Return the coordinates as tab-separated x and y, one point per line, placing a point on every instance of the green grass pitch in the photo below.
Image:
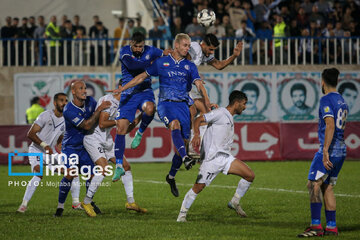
277	205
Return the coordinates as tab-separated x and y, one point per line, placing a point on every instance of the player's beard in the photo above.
59	109
137	54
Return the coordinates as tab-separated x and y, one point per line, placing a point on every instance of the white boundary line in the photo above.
252	188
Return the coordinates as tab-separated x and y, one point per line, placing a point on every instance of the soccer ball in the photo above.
206	17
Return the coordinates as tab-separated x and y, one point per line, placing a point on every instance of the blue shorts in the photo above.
317	169
129	103
170	111
84	159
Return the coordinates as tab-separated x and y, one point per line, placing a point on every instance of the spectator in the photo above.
217	29
140	28
260	11
102	33
40	30
347	18
79	35
67	33
39	33
236	13
245	32
301	19
338	31
294	28
32	26
220	10
166	32
229	29
280	30
177	27
34	110
338	11
250	14
317	17
64	18
78	25
130	27
52	32
93	29
187	11
323	6
307	6
326	31
24	33
353	30
14	27
155	33
118	32
194	29
307	49
6	32
314	30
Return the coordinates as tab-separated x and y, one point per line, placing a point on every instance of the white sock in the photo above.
242	188
127	180
75	190
94	185
202	132
30	189
188	200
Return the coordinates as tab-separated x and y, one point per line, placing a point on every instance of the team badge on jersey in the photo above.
326	109
147	57
166	64
187	67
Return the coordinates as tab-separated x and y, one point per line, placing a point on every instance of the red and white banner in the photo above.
252	141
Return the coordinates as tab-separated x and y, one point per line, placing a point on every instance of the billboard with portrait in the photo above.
298	95
349	88
257	87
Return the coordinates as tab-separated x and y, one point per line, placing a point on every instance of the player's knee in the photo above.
175	124
251	176
150	109
198	187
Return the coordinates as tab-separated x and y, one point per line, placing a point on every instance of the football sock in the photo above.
94	185
330	219
175	166
145	121
178	142
202	131
64	189
315	213
87	184
241	189
127	180
119	148
30	189
75	190
188	200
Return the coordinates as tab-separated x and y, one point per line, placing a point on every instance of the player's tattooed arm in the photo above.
32	135
203	92
329	134
219	65
93	120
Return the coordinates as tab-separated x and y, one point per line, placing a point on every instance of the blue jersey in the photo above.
132	66
175	78
333	105
74	116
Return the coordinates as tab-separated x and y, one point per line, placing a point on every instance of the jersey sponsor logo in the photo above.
166	64
187	67
326	109
75	120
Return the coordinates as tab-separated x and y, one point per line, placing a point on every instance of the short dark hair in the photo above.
67	21
120	82
24	18
138	37
346	85
56	96
330	76
34	100
297	86
99	23
236	95
16	18
250	87
211	39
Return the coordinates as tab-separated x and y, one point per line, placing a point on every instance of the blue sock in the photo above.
119	148
176	164
330	218
145	121
178	142
315	213
64	189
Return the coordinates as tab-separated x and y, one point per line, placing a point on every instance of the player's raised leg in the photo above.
148	109
121	129
239	168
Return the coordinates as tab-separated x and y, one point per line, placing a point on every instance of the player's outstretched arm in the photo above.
89	123
329	134
196	139
219	65
203	92
32	135
135	81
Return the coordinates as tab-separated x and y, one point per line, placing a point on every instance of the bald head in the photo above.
77	84
78	90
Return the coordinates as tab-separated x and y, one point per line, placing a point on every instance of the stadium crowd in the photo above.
234	19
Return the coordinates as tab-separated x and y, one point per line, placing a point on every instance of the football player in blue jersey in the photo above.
134	59
176	76
80	117
328	161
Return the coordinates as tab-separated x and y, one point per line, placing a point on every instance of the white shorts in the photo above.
210	169
97	149
34	161
194	93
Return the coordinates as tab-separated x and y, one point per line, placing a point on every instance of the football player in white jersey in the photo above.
216	154
100	146
46	136
204	53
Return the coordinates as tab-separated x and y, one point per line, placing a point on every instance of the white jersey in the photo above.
103	135
219	134
197	55
52	127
